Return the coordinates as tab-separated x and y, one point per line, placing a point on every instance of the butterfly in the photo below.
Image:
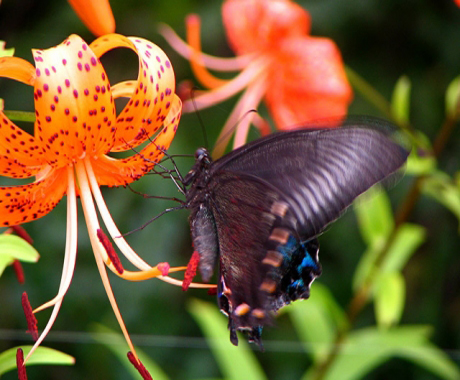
256	212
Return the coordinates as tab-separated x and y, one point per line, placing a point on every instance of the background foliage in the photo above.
379	40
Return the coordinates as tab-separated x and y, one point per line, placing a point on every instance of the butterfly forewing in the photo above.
320	172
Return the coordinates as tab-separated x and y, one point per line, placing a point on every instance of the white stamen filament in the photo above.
121	243
217	95
214	63
99	251
69	259
249	101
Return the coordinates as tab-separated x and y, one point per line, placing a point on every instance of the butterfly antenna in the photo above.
200	120
147	196
180	186
155	218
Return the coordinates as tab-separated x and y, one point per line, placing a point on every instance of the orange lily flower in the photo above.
301	78
76	127
96	15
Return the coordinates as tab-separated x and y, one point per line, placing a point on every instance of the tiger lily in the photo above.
301	78
76	127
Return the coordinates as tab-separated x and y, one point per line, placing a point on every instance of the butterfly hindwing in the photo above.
262	263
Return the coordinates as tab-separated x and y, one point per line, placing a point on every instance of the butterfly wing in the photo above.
262	264
320	172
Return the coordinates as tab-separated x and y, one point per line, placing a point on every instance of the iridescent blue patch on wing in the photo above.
299	268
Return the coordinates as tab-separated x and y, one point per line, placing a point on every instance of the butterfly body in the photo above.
256	212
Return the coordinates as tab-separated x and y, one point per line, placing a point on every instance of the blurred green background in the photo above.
380	40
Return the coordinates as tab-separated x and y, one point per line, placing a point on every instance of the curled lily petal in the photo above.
17	69
153	95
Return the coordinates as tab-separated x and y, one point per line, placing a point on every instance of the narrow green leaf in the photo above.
235	362
4	262
453	98
317	321
375	217
366	349
441	187
17	248
400	101
432	359
389	296
116	343
42	355
408	238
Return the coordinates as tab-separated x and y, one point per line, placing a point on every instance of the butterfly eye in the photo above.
200	153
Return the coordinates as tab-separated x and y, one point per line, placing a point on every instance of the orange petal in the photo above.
193	24
75	112
96	15
307	82
113	172
20	155
17	69
20	204
153	95
258	25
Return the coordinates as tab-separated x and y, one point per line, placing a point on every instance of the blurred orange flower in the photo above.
76	127
96	15
301	78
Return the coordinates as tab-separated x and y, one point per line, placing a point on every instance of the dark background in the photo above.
380	40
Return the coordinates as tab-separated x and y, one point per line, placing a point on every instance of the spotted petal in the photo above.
20	204
119	172
75	112
307	82
27	158
152	93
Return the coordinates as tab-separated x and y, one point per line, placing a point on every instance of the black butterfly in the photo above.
257	211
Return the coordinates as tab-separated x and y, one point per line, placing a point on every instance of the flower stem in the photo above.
369	92
20	116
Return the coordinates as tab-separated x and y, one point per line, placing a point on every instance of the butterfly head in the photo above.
202	161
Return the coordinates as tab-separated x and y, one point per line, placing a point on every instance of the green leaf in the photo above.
42	355
420	165
13	247
116	343
236	363
317	321
389	296
453	98
408	238
5	52
17	248
444	190
366	349
400	101
375	217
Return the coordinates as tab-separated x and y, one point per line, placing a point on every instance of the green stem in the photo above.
20	116
369	92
